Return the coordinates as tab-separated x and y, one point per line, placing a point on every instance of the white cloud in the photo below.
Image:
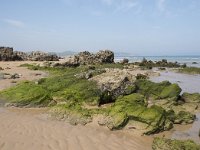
161	5
15	23
121	5
125	6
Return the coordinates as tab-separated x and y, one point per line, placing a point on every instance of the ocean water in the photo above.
189	60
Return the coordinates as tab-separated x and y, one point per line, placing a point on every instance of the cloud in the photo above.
125	6
121	5
161	5
14	23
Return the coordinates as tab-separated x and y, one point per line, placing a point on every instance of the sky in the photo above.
139	27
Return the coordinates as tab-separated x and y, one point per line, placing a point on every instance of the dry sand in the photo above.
22	129
25	74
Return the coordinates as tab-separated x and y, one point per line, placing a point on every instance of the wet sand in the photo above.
188	83
30	129
22	129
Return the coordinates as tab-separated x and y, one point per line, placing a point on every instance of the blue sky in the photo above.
140	27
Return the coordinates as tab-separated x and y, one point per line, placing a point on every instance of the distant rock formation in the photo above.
42	56
7	54
85	58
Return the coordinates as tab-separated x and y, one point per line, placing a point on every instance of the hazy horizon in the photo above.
139	27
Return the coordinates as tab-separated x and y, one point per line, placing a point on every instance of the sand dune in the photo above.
22	129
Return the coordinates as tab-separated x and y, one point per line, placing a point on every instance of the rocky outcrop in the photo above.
42	56
168	144
7	54
87	58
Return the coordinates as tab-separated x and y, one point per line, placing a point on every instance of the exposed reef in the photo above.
167	144
7	54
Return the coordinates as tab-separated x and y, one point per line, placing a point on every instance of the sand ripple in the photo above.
22	130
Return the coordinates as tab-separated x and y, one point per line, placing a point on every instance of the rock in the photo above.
158	91
124	61
171	91
184	118
194	63
191	98
87	58
133	107
7	54
168	144
15	76
41	56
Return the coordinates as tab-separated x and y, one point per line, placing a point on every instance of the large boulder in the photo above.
87	58
133	109
42	56
7	54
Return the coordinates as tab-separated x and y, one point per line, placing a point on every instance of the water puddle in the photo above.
188	83
192	133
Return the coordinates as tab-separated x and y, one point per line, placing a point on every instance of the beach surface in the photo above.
30	129
23	72
25	128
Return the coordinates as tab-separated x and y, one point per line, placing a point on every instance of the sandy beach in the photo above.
31	129
25	74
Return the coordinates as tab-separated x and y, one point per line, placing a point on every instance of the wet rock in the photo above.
191	98
158	91
168	144
124	61
184	118
14	76
133	108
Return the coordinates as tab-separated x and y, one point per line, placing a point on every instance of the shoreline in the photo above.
34	130
128	136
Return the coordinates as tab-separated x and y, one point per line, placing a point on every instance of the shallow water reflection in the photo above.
192	133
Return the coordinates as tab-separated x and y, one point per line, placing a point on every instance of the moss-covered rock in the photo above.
167	144
27	94
171	91
71	112
133	107
191	98
160	90
184	117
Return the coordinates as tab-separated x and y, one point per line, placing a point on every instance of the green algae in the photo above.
157	91
167	144
190	70
66	95
133	107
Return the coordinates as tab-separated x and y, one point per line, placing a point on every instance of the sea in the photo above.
193	61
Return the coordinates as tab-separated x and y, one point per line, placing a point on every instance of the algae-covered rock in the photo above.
167	144
27	94
184	117
191	98
133	107
71	112
170	91
160	90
